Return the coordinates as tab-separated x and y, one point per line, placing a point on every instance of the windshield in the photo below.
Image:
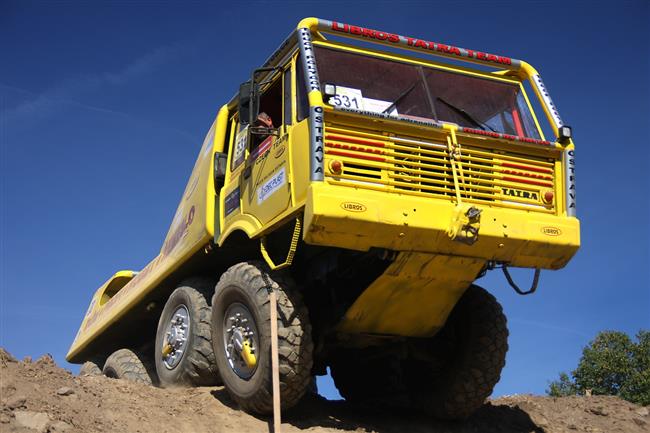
411	91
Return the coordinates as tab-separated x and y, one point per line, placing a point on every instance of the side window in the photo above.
287	97
302	109
271	102
275	109
270	112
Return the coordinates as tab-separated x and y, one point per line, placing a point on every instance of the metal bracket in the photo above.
465	225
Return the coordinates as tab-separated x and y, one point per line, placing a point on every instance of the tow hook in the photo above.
516	288
465	224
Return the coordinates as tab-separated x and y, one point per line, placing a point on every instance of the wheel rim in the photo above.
238	326
176	336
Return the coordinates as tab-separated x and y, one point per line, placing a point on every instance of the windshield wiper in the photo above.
400	97
466	115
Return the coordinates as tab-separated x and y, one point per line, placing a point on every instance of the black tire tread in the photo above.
295	345
90	368
200	366
368	382
126	364
473	377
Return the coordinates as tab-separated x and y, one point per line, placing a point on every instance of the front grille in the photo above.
410	166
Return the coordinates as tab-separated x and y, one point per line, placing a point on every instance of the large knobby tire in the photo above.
367	381
243	288
126	364
90	368
185	322
476	341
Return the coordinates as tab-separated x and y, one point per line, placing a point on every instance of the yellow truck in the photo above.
368	178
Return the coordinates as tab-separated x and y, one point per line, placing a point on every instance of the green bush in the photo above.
612	364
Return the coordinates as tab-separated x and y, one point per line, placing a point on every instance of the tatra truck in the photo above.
368	179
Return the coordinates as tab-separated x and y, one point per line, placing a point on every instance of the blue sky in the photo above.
103	108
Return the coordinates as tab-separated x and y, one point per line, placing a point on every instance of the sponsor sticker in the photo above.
232	201
178	233
271	186
570	181
420	44
353	206
192	187
551	231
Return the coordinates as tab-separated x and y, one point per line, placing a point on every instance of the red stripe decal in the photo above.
354	140
352	155
520	173
355	148
526	167
263	147
505	136
529	182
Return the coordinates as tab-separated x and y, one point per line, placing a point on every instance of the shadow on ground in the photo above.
314	411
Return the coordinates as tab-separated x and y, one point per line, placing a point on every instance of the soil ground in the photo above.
39	396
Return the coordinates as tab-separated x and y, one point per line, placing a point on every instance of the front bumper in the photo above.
360	219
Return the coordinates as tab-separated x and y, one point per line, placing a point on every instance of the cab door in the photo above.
261	161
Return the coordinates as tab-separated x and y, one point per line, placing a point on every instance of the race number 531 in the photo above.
347	98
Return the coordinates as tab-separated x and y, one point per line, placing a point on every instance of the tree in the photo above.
562	387
612	364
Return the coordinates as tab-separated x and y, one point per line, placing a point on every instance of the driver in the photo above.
264	120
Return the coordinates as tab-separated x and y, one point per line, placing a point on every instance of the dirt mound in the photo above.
39	396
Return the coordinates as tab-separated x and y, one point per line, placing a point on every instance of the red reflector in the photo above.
336	167
548	197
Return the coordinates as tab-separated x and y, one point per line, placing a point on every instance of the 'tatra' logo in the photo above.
531	195
353	207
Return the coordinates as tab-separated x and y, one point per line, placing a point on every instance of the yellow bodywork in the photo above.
413	297
422	220
191	230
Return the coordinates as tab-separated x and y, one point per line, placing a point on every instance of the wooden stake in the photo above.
275	361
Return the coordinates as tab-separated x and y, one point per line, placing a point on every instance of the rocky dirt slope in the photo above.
41	397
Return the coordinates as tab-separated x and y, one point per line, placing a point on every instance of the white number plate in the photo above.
347	97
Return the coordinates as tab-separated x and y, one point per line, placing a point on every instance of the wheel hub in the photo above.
240	339
176	336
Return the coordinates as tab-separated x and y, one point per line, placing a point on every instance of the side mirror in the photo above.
220	167
244	102
249	102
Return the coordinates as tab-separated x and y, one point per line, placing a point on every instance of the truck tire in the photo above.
368	382
90	368
475	339
126	364
185	325
240	313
